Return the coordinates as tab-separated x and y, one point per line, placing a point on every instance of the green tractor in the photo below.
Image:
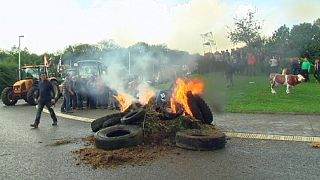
27	87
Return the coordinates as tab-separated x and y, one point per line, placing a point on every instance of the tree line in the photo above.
301	40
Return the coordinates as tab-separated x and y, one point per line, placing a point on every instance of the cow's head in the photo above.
301	78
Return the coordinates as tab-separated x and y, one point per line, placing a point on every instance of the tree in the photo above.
305	38
278	43
317	22
247	30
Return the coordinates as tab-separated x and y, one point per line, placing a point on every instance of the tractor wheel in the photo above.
7	96
56	90
32	96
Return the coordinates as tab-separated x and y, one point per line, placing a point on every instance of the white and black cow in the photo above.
286	80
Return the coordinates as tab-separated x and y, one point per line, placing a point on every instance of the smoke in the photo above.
130	73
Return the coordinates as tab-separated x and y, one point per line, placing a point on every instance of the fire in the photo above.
124	101
146	95
196	86
179	95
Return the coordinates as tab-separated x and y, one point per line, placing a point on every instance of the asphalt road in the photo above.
27	153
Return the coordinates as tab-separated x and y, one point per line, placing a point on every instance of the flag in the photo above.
46	62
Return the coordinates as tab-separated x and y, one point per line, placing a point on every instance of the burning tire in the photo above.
134	117
194	107
204	109
120	136
194	139
111	122
96	125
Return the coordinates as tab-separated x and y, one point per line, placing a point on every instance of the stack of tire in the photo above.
122	130
119	130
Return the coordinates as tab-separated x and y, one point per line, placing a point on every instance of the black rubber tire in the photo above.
26	100
111	122
56	90
119	136
33	95
194	139
96	125
204	109
7	96
194	106
134	117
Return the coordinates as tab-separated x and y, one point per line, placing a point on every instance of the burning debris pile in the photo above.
175	117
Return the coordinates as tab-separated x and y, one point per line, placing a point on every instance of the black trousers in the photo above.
40	109
305	74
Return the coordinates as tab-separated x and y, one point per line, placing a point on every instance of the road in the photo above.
28	154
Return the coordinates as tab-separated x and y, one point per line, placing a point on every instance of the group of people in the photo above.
92	91
304	68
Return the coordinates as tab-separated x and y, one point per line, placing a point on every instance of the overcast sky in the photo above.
51	25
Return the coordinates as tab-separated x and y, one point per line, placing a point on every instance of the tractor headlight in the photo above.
16	88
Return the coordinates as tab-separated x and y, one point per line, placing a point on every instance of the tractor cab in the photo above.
88	68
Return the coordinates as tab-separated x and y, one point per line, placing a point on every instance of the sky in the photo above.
52	25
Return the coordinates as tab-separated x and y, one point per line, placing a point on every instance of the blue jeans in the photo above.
79	99
66	103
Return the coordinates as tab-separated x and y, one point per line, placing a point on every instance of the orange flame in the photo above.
179	95
124	101
196	86
146	95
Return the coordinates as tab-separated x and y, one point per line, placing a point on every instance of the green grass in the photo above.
253	94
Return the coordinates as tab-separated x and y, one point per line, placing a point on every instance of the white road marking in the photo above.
77	118
273	137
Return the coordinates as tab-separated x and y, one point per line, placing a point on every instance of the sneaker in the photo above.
55	123
34	125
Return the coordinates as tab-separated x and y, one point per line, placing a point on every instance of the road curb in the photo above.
277	113
272	137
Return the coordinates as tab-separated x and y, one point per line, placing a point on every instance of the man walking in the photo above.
46	98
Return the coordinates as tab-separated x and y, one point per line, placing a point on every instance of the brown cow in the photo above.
286	80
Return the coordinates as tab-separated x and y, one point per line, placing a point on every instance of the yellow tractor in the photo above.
27	87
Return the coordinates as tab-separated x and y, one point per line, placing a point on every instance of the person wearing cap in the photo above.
46	98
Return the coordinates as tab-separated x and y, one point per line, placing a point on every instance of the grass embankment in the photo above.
253	94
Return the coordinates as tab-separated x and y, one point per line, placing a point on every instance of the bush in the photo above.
8	75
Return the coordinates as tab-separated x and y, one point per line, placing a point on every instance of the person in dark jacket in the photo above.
46	98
